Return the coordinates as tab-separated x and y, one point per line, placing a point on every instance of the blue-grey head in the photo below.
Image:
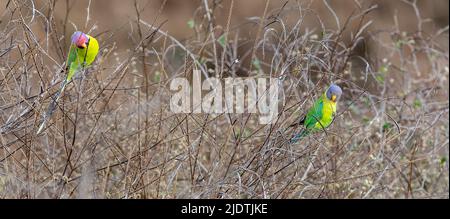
334	92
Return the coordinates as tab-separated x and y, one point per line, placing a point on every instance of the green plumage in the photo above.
77	59
319	117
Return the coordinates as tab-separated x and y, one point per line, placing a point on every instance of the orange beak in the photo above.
333	98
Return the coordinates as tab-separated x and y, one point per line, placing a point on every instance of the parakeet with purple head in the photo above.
321	114
82	53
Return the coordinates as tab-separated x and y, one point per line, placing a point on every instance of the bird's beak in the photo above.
84	45
333	98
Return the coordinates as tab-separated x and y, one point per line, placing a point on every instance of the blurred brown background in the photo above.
112	14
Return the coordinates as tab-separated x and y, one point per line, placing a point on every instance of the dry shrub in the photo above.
114	136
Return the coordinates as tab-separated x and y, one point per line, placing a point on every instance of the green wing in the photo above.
71	58
314	114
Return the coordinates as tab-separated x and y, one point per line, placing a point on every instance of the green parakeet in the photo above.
321	114
82	52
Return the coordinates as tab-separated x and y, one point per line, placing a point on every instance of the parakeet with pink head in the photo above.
82	52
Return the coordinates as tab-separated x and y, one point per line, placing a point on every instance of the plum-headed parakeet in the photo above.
321	114
82	52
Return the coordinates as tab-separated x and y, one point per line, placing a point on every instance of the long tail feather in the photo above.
51	107
298	136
